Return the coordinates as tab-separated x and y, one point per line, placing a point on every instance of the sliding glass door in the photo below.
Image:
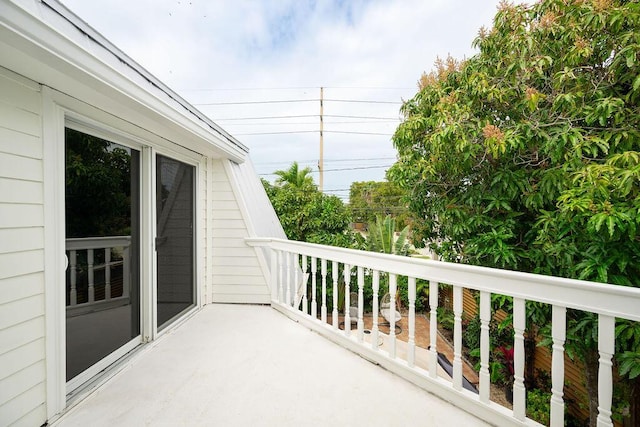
175	240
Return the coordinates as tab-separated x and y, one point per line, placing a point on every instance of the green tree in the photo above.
526	156
382	237
368	199
294	176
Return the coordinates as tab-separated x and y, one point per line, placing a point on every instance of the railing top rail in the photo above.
97	242
612	300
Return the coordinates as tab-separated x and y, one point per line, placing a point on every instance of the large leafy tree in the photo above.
526	156
369	199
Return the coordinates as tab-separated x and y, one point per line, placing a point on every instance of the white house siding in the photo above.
237	275
22	323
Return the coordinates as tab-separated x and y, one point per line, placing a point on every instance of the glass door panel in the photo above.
175	238
102	211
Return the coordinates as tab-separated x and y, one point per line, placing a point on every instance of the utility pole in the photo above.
321	161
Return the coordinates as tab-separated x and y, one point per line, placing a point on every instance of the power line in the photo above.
230	89
329	160
284	101
305	115
341	169
312	131
315	123
362	101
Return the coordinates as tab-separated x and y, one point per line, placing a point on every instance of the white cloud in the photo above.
346	46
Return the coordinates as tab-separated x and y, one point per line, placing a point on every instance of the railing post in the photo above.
457	337
393	284
606	348
274	275
314	303
305	302
334	313
558	334
376	288
411	344
360	304
323	308
281	283
519	391
126	271
433	329
485	319
288	256
107	273
346	274
91	285
73	292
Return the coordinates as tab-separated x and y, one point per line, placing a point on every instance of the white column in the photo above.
374	330
485	319
457	337
91	289
274	275
606	348
519	391
314	302
558	335
107	273
411	344
433	329
323	308
360	304
334	276
305	302
393	283
346	273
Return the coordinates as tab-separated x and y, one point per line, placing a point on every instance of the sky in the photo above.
256	69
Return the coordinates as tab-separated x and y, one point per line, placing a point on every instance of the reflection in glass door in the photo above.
175	238
102	194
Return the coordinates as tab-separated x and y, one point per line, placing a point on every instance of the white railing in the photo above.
91	245
289	260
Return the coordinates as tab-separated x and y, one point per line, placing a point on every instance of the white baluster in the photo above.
92	291
485	319
126	271
558	334
346	273
334	313
360	304
411	344
107	273
314	303
288	255
295	264
281	283
305	302
374	330
433	329
274	275
457	337
393	283
323	272
519	391
606	348
73	264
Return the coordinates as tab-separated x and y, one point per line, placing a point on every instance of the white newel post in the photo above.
433	329
360	304
457	337
375	332
411	357
314	302
485	319
346	273
558	334
274	275
323	271
393	284
281	283
334	276
519	391
92	290
606	348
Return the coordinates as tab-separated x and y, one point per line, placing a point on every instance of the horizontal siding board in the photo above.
219	176
18	167
245	271
20	120
222	214
19	287
21	263
21	357
229	233
226	205
19	407
18	191
228	223
22	334
245	252
19	311
20	96
36	417
233	261
22	381
21	239
17	216
221	196
221	242
240	289
237	280
20	144
241	299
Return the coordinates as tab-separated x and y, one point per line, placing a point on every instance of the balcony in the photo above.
243	365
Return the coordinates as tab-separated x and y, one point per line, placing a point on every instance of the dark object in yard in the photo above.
448	367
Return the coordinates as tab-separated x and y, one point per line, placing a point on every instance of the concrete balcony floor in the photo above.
238	365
